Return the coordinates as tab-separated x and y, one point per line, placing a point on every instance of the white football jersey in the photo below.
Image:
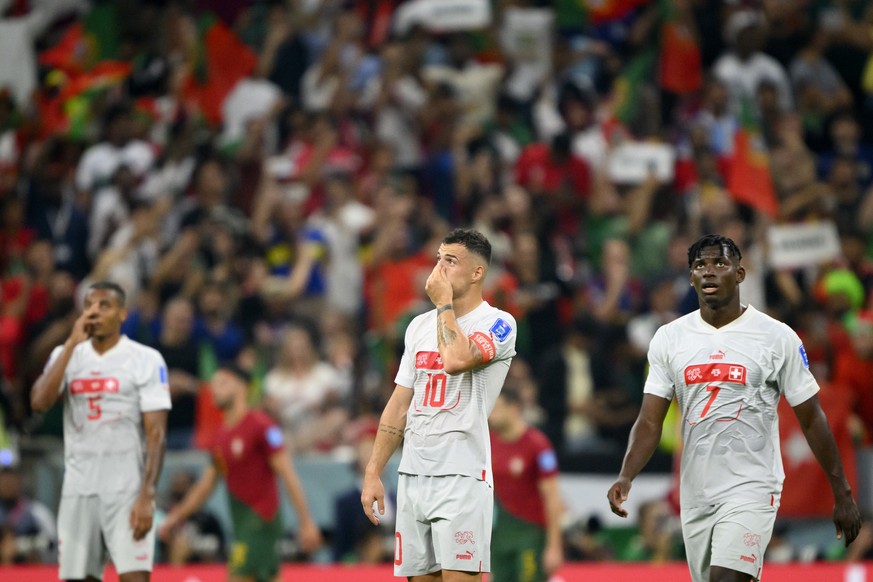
727	382
104	399
447	423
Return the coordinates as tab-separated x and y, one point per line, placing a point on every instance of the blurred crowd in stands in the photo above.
269	180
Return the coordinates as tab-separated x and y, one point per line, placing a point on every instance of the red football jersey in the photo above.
242	455
518	468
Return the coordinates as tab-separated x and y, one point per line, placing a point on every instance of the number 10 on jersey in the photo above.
435	390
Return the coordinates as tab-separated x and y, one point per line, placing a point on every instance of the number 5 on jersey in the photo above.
94	410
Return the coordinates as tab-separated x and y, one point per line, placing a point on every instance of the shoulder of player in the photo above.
260	418
422	319
536	439
142	351
491	316
675	327
771	325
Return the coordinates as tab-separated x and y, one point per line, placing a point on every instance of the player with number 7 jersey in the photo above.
727	382
727	364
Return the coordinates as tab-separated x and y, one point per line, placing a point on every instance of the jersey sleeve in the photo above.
659	381
51	360
793	378
406	372
546	459
496	338
271	435
154	392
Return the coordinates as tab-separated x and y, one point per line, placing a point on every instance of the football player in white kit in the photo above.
116	400
727	365
455	359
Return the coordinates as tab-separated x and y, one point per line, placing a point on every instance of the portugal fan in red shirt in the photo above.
248	453
526	542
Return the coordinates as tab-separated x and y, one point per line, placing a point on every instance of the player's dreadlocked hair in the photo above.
473	240
729	247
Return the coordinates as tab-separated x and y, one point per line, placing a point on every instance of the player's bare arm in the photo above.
143	511
553	554
847	518
193	500
310	535
644	438
47	387
388	438
459	353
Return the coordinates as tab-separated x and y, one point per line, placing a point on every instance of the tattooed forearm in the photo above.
445	336
391	430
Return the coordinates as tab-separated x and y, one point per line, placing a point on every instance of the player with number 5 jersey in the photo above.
728	365
455	360
116	397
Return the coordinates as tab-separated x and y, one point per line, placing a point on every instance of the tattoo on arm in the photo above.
445	336
476	353
445	308
391	430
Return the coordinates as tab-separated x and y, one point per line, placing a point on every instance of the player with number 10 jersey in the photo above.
447	424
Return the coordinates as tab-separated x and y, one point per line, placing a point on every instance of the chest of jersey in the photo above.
103	388
719	378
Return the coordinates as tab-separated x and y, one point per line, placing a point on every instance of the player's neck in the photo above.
103	344
234	415
513	431
721	315
464	305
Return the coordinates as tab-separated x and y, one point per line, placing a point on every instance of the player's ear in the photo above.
741	274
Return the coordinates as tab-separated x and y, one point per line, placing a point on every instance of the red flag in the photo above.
749	178
73	53
806	492
225	60
681	69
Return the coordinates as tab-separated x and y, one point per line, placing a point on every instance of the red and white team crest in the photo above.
236	447
462	537
93	385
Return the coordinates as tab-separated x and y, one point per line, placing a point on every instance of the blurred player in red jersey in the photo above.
116	399
526	544
249	453
727	364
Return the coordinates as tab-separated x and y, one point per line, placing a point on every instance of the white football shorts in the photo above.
443	523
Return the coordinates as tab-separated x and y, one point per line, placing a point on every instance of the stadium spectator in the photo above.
28	533
307	395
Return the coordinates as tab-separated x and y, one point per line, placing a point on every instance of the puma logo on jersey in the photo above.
468	555
750	559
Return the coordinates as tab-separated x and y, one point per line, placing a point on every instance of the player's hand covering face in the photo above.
716	277
451	275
